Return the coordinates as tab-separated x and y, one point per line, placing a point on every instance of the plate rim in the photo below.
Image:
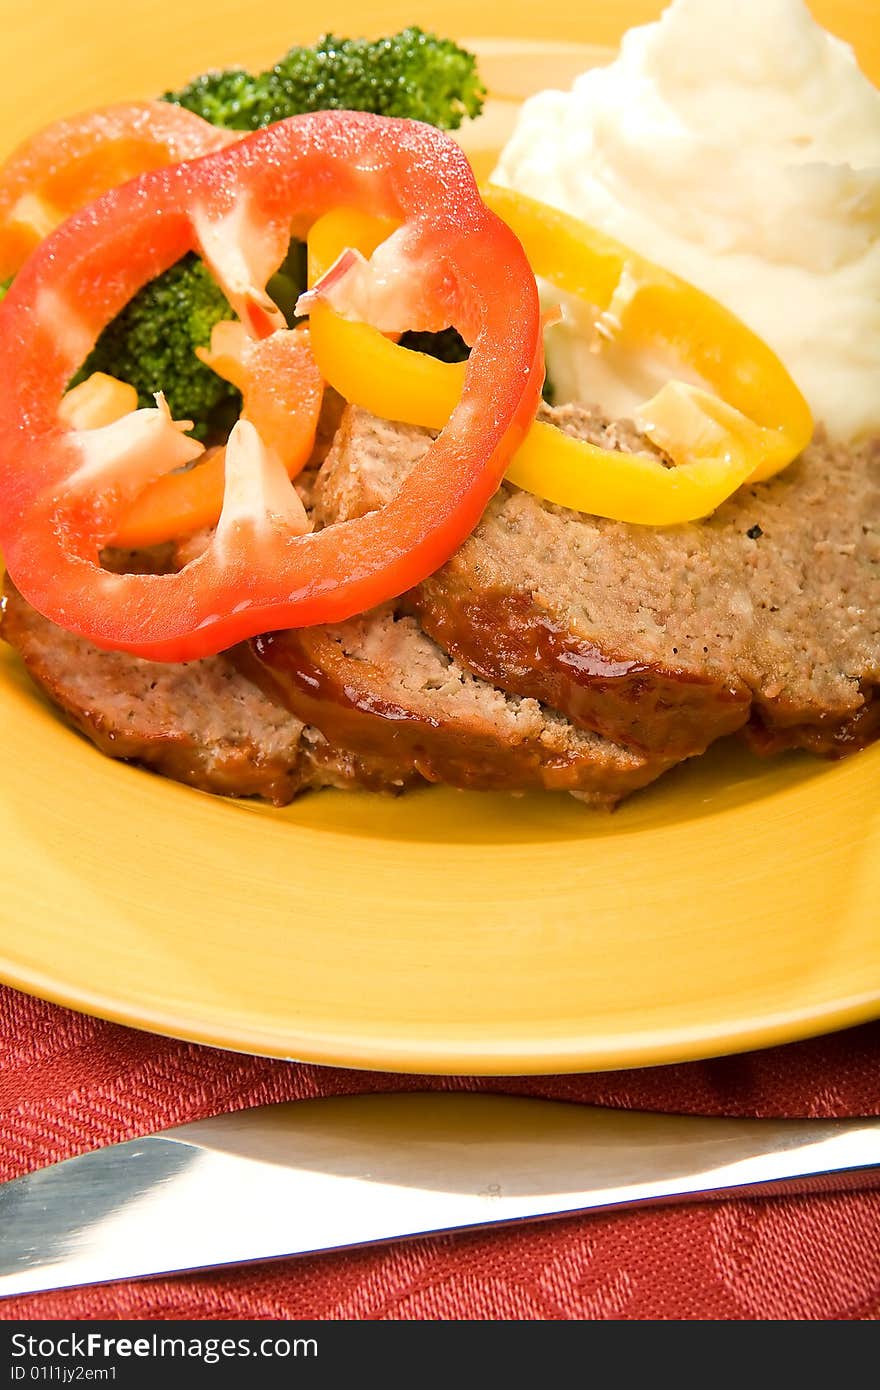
462	1060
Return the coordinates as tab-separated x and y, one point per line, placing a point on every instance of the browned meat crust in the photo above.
765	615
828	738
201	722
652	707
382	708
379	686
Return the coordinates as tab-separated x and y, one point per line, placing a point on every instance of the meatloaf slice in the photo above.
662	639
382	708
200	722
379	686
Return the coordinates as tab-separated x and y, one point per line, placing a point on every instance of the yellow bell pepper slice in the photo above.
99	400
362	364
644	306
759	424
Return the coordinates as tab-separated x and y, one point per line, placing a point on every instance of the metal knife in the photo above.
282	1180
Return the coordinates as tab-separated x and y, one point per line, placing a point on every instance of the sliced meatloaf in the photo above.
764	616
379	706
200	722
377	685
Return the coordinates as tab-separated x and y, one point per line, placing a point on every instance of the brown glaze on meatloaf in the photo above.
199	722
382	709
766	614
380	687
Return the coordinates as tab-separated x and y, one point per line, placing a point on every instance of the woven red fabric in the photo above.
70	1083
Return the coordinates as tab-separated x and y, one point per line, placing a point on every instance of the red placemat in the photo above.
70	1083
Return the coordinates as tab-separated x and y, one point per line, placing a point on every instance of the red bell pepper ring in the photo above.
62	495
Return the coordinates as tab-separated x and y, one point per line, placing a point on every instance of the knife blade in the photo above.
288	1179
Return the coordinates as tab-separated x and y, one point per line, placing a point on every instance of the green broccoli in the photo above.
412	74
152	343
4	287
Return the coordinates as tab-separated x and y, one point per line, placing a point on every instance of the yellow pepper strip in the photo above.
647	306
99	400
761	423
363	365
637	487
360	362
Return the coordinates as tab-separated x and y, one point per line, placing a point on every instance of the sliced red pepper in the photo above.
75	160
62	494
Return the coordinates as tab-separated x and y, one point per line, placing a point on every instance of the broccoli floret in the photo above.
151	344
232	99
412	74
4	287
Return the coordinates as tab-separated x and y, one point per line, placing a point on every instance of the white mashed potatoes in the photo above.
739	146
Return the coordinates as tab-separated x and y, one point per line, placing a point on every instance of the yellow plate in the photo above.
732	906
